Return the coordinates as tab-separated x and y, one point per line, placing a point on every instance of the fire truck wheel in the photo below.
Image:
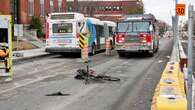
151	53
157	49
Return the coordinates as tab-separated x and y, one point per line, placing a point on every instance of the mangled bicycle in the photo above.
89	74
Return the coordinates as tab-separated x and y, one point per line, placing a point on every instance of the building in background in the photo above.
185	27
24	10
5	7
106	9
163	27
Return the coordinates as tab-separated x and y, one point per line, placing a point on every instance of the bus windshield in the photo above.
135	26
62	28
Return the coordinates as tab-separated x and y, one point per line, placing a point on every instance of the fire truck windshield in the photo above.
134	26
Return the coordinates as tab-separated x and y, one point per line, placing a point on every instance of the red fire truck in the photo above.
137	33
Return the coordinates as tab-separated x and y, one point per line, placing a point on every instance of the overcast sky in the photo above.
164	9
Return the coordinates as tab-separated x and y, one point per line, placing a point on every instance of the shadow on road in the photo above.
136	55
75	55
69	55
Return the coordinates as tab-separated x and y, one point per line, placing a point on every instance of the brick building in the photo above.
24	10
5	6
106	9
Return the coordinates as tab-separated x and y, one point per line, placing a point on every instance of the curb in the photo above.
15	60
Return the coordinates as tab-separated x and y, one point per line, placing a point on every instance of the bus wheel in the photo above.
93	50
121	54
111	45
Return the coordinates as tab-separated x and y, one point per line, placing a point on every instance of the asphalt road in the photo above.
35	79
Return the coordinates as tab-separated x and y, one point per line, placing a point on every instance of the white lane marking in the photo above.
30	82
17	84
118	71
168	57
160	61
47	68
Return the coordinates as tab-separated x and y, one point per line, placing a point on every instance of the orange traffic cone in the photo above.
108	47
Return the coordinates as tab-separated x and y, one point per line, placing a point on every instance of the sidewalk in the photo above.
28	54
193	94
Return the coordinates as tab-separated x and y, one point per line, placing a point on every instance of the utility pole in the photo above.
15	6
176	26
190	56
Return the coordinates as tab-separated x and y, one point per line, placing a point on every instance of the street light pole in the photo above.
76	8
190	57
176	26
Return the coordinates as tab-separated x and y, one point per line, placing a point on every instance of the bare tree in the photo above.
76	6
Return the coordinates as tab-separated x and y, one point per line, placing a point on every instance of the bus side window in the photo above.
111	32
101	30
82	28
3	35
79	24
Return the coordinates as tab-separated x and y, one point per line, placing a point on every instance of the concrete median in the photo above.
170	92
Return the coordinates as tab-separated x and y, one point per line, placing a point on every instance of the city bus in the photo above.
63	30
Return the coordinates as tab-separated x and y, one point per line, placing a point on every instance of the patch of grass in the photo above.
23	45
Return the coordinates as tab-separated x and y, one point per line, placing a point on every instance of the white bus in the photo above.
61	35
63	31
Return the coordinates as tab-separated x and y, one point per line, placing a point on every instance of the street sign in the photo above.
180	9
18	30
83	44
82	41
